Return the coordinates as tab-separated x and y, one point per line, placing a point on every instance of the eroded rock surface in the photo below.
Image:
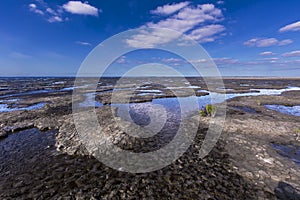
243	164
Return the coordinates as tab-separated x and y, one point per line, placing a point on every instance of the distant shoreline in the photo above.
224	77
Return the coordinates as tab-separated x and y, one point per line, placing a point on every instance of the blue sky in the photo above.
245	38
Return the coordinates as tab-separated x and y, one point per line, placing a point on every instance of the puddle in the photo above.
244	85
276	91
289	110
27	93
90	101
67	89
5	108
184	87
58	83
223	89
9	100
245	109
292	152
150	91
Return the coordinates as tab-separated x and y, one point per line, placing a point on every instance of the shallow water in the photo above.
5	108
168	103
245	109
182	105
90	101
27	93
289	110
292	152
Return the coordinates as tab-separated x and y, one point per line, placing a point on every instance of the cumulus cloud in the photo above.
267	53
291	27
58	13
292	54
151	38
198	21
206	33
77	7
169	8
48	13
266	42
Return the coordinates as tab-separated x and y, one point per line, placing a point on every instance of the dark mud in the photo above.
31	168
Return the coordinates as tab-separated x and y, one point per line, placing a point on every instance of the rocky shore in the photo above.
43	157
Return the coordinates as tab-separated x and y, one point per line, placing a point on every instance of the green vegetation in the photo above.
47	106
258	102
203	113
208	110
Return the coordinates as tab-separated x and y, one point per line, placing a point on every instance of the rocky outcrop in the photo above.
68	139
3	134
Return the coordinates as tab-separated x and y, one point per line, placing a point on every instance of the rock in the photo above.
45	124
18	127
286	191
3	134
69	141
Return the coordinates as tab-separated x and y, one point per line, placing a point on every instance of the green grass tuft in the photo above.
208	110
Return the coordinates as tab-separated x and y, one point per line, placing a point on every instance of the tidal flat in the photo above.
256	156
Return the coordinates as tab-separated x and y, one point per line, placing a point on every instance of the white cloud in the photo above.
285	42
271	59
55	19
77	7
51	11
225	61
32	5
169	8
218	61
292	54
172	60
48	13
267	53
121	60
206	33
58	14
291	27
83	43
199	14
198	61
185	21
19	55
151	38
33	8
266	42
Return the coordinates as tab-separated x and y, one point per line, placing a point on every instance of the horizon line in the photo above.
45	76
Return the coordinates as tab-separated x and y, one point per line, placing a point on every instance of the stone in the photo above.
3	134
